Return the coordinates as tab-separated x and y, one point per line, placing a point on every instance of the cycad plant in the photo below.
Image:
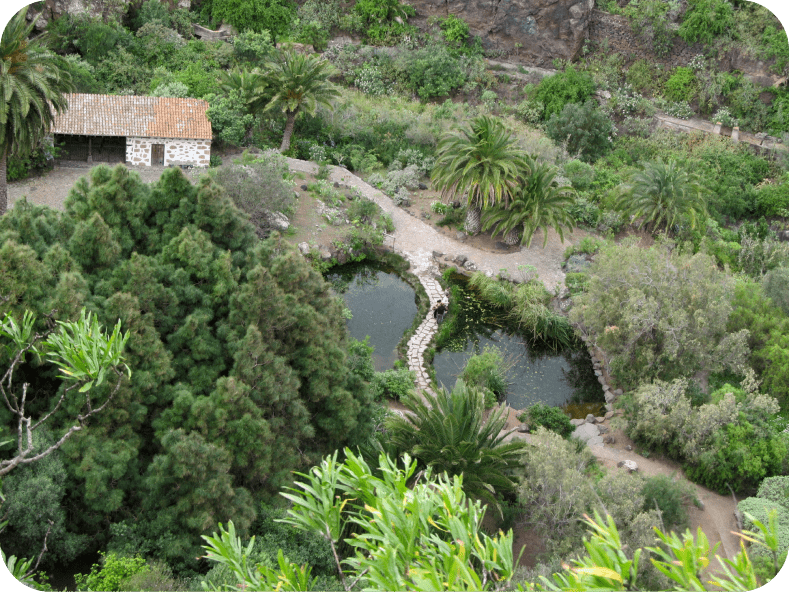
33	81
448	431
539	202
481	163
663	194
300	83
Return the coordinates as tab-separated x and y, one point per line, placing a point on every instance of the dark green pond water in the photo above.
383	307
536	372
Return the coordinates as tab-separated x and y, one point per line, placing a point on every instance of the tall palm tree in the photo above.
481	163
449	432
301	83
33	82
540	202
663	193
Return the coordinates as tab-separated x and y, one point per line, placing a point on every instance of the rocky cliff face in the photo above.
542	29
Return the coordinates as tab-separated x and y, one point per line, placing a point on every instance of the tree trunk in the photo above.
3	183
473	220
513	237
291	115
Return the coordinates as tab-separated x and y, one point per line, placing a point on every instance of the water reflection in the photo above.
383	306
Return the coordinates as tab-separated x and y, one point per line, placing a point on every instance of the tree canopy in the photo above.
237	349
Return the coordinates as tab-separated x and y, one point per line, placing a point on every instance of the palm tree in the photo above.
448	431
481	163
663	193
540	202
252	85
301	83
32	83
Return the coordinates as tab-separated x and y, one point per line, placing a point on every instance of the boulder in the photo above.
609	439
460	259
470	266
599	419
422	186
609	415
586	431
278	220
596	441
577	264
577	422
537	31
304	248
437	254
603	429
630	465
619	392
590	418
461	236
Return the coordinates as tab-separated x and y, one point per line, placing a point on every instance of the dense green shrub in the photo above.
584	129
735	439
681	85
772	200
111	573
392	384
658	314
432	71
569	86
488	373
253	47
775	489
670	496
551	418
705	20
580	174
274	16
384	20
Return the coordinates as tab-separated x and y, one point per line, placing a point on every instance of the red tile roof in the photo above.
145	117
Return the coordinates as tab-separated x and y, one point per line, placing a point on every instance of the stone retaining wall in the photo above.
176	151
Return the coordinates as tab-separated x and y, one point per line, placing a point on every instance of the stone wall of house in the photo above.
192	152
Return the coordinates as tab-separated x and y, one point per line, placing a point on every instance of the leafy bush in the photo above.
776	287
642	317
773	200
731	440
580	174
392	384
705	20
551	418
111	573
487	372
274	16
171	89
760	508
681	85
432	71
589	245
384	20
569	86
585	129
670	496
775	489
229	118
253	47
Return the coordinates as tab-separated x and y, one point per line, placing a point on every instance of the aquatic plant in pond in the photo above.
537	372
382	306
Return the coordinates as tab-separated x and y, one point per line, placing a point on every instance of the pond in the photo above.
383	306
536	372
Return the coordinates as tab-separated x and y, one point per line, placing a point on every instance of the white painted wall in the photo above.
194	152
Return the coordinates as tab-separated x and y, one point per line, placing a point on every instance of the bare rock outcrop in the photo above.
543	29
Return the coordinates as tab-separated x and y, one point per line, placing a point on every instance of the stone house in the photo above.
141	131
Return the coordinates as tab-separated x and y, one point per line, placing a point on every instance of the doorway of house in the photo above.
157	154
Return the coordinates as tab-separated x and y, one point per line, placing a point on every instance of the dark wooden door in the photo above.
157	154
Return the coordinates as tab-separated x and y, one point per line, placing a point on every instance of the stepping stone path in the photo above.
424	333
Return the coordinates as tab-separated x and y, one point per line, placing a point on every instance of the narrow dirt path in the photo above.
419	240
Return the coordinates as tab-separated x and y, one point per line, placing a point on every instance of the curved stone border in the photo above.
424	333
